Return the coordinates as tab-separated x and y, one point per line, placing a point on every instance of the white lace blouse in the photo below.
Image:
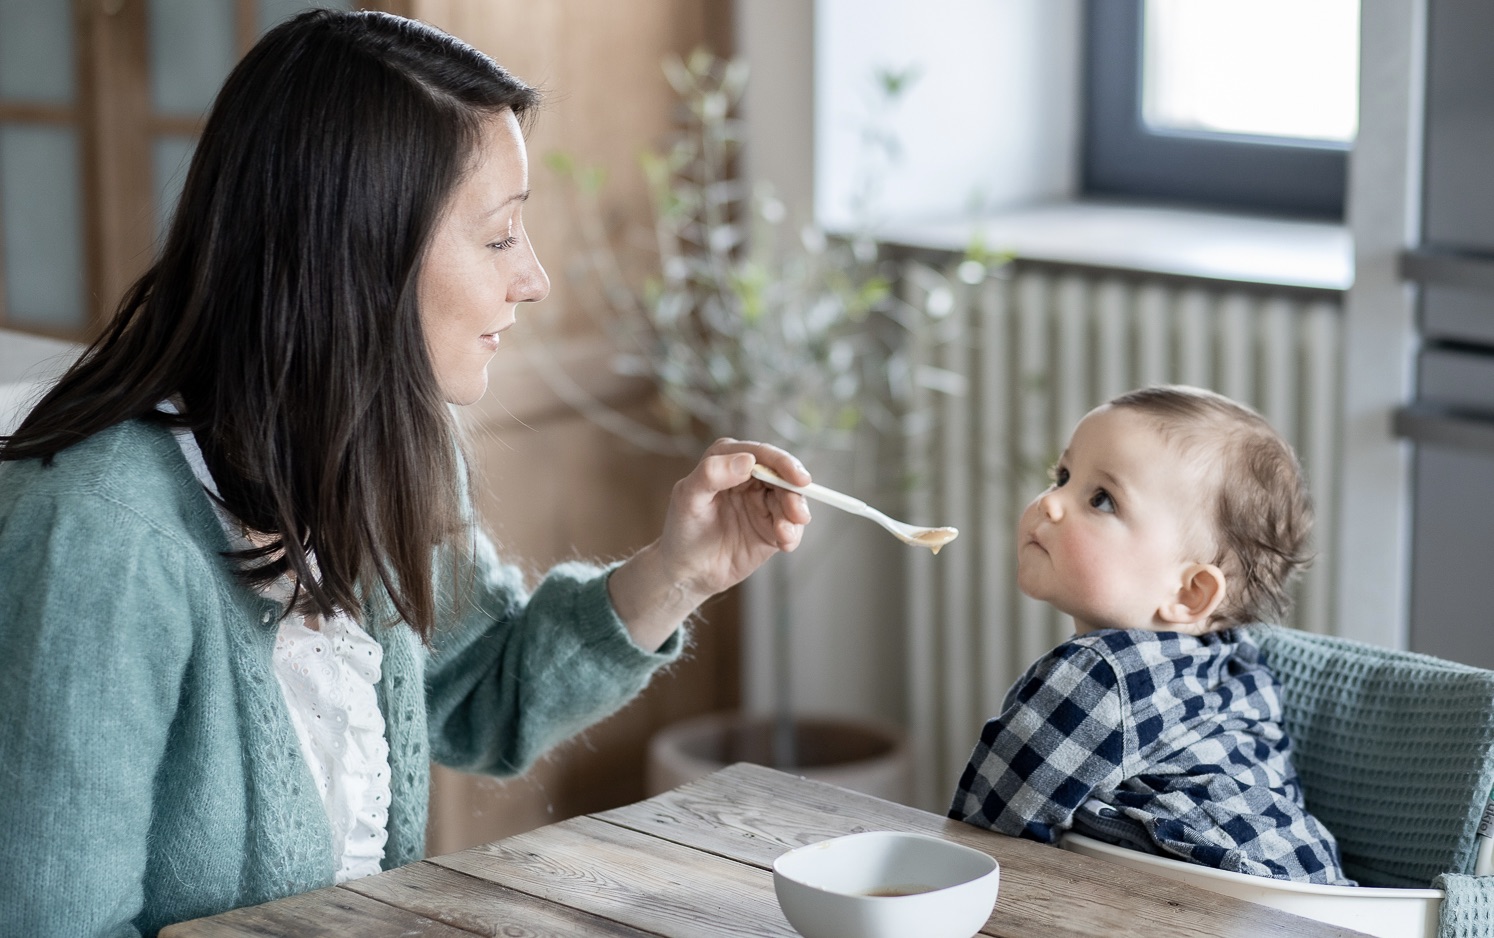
328	677
327	668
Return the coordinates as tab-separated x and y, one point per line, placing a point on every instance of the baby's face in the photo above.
1110	540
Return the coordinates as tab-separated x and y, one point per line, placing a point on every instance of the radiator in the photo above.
1032	353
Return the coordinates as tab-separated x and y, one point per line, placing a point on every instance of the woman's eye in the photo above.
1102	501
505	244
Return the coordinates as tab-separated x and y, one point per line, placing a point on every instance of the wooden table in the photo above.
697	861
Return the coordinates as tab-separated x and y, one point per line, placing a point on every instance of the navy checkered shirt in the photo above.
1157	741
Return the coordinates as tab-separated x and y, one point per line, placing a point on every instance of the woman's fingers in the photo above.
789	533
712	476
788	511
728	463
779	460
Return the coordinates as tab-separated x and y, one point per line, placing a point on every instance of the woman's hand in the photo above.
722	524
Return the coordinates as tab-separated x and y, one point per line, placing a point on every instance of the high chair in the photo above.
1395	752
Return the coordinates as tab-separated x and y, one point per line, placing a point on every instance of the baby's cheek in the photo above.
1092	574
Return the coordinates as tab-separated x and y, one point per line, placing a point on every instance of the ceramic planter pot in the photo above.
868	756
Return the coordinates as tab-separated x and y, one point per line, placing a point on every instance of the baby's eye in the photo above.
1059	476
1102	501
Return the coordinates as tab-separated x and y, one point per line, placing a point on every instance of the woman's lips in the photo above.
490	339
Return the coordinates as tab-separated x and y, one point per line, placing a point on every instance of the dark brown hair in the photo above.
282	310
1262	515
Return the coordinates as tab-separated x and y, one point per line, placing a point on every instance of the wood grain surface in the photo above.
326	913
752	814
697	861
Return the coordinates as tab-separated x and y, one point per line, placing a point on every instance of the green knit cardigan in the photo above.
150	769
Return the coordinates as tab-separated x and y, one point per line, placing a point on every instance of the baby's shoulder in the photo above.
1082	659
1141	661
1143	645
1123	647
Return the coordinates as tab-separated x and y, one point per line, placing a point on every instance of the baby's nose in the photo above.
1051	504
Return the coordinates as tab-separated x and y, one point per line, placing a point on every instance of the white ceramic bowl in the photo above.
883	884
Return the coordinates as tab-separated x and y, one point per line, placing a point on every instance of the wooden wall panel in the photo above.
554	486
606	99
118	174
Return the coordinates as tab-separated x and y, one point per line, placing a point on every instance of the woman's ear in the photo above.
1201	591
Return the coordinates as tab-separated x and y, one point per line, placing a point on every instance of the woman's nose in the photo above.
532	283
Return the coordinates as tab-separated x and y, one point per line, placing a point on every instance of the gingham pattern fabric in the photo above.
1158	741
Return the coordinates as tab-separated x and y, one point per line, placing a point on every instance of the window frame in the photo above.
1122	158
116	129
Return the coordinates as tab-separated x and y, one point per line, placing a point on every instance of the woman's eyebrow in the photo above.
516	197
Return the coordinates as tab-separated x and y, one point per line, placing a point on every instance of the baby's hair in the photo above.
1262	512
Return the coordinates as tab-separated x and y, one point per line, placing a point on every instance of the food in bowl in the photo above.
882	884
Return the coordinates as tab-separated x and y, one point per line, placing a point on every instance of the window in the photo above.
1246	104
100	108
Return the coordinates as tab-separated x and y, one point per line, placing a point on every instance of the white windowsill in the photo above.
1178	242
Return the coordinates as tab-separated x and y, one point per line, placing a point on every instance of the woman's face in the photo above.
479	265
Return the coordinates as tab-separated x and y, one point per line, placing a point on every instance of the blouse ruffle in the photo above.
327	675
328	679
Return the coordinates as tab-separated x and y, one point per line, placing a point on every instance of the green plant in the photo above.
747	322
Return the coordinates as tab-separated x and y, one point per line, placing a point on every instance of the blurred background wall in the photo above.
1083	291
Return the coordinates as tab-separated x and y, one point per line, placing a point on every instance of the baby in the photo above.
1175	519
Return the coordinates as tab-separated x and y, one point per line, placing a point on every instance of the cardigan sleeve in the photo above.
513	673
1060	737
91	666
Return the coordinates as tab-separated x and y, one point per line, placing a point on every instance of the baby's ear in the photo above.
1201	591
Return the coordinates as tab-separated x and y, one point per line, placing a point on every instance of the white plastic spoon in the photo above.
932	538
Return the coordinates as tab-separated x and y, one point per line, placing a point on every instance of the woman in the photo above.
243	600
